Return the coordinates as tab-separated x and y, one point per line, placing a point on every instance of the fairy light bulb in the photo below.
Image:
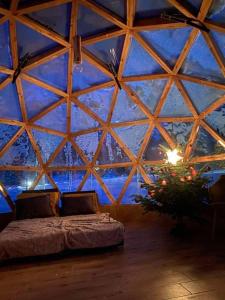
173	157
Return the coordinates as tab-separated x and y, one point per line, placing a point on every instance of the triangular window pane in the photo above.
44	184
86	75
114	179
9	103
68	181
149	91
7	132
152	151
139	62
174	105
200	62
217	12
5	54
67	157
88	143
216	120
80	120
179	132
4	207
31	41
126	110
205	145
90	23
132	136
168	43
37	98
92	184
108	50
152	8
219	37
98	101
201	95
111	152
21	153
54	72
56	18
47	143
117	6
55	116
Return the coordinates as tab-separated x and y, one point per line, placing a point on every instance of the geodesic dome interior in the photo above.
70	125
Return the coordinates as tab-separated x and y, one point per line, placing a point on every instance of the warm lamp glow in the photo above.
1	189
173	157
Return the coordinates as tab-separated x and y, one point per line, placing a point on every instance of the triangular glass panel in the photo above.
117	6
17	181
217	12
114	179
202	96
179	132
125	104
200	62
7	132
67	157
168	43
98	101
5	56
55	116
134	188
132	136
44	184
9	103
55	18
219	37
206	145
32	42
111	152
86	75
108	50
92	184
68	181
54	72
37	98
174	105
152	8
3	77
149	91
4	207
152	151
46	142
21	153
90	23
80	120
216	120
139	62
88	143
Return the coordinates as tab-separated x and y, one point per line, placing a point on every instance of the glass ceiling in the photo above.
70	125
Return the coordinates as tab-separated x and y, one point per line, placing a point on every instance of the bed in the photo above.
51	235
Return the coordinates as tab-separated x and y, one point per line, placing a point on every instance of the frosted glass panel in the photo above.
44	184
5	52
6	133
152	8
21	153
217	12
67	157
217	120
68	181
54	72
89	143
80	120
116	6
140	62
148	91
168	43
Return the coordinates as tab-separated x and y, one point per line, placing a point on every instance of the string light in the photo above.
173	157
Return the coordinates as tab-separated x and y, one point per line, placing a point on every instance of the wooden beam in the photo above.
84	179
145	77
115	165
56	152
11	141
37	7
108	15
19	168
208	158
43	30
145	141
163	97
182	9
5	12
107	34
212	107
165	135
4	83
214	26
3	20
156	23
175	119
130	123
43	85
86	131
201	81
48	130
124	54
124	188
206	4
131	6
93	88
212	132
191	140
112	105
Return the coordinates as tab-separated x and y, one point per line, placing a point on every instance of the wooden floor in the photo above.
151	265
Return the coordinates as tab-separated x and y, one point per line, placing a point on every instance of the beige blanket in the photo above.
52	235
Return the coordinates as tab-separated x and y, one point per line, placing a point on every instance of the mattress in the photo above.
32	237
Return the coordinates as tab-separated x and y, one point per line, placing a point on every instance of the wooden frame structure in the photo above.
129	29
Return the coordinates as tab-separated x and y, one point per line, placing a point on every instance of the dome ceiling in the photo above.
70	126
